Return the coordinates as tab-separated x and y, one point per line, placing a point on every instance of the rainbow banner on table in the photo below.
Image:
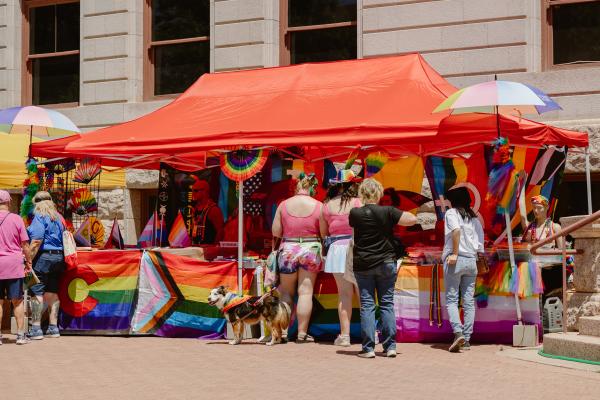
99	294
493	320
139	293
173	292
325	322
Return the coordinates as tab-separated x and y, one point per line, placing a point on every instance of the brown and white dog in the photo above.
273	311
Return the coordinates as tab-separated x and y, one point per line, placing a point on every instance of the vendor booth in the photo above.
234	141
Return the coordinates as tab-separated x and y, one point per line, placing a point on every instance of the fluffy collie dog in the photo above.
241	311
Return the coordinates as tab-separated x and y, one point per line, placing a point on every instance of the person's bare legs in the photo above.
345	297
51	299
1	305
287	289
19	312
37	307
306	284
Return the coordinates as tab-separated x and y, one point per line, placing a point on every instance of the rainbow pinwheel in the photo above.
240	165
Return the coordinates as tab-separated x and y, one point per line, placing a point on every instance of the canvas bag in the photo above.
69	245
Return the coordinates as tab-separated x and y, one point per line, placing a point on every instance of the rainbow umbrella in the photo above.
36	121
499	97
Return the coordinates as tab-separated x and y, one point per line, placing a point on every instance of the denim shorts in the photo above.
11	289
48	268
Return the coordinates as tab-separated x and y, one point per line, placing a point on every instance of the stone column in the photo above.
584	300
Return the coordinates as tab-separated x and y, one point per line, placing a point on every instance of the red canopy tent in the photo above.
324	107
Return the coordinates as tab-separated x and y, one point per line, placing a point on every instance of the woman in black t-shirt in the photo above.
375	264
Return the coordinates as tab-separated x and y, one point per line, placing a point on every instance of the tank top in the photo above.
339	224
300	227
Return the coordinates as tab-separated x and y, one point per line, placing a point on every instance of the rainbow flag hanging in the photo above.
179	237
99	294
115	239
173	292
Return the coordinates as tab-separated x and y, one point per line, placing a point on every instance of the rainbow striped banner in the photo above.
493	320
99	294
173	292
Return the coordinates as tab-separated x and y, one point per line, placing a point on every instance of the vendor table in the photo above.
135	292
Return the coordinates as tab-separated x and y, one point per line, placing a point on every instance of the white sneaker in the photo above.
342	340
391	354
366	354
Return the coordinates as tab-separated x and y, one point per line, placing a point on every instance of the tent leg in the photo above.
240	234
588	179
513	264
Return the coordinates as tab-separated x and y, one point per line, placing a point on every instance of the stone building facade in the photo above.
467	41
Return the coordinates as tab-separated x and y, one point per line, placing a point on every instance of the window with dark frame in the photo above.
52	59
573	32
318	30
178	45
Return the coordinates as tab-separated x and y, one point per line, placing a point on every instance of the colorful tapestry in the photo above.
494	318
98	295
173	292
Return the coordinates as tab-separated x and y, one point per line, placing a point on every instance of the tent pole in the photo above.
513	264
588	179
240	234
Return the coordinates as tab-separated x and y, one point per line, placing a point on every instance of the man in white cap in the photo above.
15	260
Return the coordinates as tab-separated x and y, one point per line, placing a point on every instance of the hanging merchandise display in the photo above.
240	165
30	188
87	170
82	202
375	161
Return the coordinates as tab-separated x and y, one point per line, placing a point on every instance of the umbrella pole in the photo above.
30	140
240	234
497	122
588	180
513	264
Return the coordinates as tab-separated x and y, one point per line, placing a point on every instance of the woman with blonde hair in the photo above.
46	232
375	264
297	223
342	197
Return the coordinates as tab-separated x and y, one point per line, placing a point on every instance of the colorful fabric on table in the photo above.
324	320
98	294
173	293
493	323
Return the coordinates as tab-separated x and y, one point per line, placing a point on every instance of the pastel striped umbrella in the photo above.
36	121
499	97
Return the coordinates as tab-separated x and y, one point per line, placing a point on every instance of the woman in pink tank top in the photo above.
299	260
342	196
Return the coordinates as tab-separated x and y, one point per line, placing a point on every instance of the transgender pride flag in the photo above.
153	234
178	237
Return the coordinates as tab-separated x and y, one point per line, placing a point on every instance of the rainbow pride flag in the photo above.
178	237
173	292
494	319
98	295
325	322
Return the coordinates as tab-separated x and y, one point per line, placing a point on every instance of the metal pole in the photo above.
240	234
564	285
588	180
513	264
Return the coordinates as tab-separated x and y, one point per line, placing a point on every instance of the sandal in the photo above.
304	338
